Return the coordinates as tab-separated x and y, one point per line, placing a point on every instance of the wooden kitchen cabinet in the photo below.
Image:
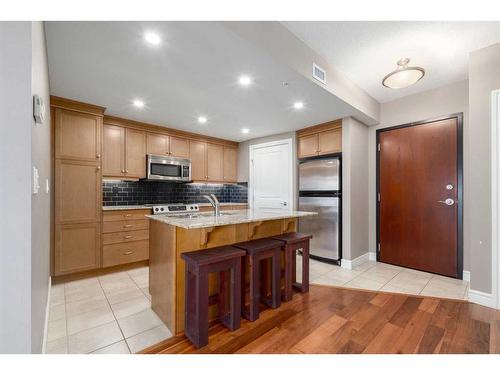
157	144
124	152
323	139
230	164
77	248
78	135
113	160
179	147
215	162
135	153
78	192
198	155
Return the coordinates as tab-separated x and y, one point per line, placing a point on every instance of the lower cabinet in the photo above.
77	248
125	237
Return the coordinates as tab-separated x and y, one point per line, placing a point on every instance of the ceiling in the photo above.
192	73
366	51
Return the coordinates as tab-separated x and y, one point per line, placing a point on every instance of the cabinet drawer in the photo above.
125	215
129	236
122	253
124	225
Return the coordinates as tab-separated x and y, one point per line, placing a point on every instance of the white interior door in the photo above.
271	175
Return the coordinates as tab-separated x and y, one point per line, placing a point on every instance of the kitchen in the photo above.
152	156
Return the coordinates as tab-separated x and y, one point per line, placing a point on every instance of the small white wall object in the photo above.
38	109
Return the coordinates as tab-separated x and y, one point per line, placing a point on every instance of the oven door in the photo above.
168	168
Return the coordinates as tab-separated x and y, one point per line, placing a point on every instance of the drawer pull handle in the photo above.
127	226
127	237
127	215
128	252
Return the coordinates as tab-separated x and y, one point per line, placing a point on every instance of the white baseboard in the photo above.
350	264
482	298
466	276
47	312
372	256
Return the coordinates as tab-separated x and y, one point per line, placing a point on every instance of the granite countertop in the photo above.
142	207
207	219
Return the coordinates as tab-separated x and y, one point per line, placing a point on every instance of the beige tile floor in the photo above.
385	277
109	314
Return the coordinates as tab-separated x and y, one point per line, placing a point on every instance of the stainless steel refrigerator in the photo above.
320	191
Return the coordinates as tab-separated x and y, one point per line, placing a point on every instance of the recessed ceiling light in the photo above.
245	80
403	76
245	130
138	103
152	38
202	119
298	105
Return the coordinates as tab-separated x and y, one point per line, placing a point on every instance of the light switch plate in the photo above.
36	178
47	186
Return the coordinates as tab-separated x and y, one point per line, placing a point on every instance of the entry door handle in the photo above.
284	203
448	202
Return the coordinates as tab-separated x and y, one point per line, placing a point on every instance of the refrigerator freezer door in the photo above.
324	227
320	174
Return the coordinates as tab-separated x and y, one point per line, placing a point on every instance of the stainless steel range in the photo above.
175	209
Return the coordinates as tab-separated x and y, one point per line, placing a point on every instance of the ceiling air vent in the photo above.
319	74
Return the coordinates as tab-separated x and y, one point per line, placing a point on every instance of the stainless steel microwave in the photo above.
168	168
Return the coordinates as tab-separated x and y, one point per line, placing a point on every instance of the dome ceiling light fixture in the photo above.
403	76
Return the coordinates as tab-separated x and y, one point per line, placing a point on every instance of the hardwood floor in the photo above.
337	320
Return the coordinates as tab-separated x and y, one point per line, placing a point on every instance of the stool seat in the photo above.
259	245
214	255
292	238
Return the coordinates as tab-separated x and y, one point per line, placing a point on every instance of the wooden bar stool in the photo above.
226	260
257	251
291	242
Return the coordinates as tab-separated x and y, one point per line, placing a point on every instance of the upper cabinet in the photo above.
198	155
157	144
179	147
78	135
215	162
124	152
321	139
230	164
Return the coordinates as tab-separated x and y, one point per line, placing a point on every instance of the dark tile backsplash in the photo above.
118	193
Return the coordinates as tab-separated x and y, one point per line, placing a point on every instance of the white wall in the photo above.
429	104
15	179
354	188
484	77
41	202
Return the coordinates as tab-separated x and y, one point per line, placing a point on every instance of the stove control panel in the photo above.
175	208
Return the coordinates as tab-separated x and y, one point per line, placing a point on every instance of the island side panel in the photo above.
162	271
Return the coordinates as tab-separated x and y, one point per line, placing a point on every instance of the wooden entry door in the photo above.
420	187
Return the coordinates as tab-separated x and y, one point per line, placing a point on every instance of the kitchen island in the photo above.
170	236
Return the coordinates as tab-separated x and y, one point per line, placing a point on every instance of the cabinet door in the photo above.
113	151
77	247
230	164
197	153
157	144
77	192
77	135
179	147
308	145
330	141
135	153
215	162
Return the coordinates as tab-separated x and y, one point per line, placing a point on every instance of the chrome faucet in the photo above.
214	202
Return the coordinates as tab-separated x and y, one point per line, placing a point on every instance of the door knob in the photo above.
283	203
448	202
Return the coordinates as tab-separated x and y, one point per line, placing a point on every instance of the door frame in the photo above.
459	118
495	198
291	185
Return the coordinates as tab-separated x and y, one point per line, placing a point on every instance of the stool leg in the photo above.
289	271
253	312
305	268
276	279
235	296
200	333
